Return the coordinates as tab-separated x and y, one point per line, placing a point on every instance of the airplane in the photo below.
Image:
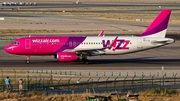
72	48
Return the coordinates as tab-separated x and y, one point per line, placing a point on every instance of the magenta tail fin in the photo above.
159	26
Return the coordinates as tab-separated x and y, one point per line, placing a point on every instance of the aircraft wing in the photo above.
89	51
86	50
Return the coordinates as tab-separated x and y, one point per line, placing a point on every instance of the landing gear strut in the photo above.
28	59
84	59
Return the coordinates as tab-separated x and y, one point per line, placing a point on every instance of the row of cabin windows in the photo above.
70	43
96	43
74	43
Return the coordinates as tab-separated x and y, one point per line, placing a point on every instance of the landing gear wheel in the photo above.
86	61
83	60
27	61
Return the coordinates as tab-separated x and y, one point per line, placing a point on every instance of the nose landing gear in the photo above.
28	59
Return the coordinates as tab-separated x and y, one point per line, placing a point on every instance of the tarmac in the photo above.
71	5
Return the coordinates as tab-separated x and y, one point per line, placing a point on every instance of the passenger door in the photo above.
27	43
139	43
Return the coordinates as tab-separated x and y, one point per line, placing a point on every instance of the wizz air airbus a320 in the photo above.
72	48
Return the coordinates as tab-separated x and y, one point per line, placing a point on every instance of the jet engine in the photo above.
66	56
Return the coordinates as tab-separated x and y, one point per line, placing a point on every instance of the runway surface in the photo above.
96	64
76	11
71	5
43	7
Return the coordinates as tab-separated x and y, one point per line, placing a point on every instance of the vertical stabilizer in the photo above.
159	26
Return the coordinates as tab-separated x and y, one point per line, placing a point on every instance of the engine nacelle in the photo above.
66	56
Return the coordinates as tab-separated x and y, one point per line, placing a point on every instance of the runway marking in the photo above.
101	68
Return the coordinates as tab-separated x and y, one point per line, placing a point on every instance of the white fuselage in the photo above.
124	45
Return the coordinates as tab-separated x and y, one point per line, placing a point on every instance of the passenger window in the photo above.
74	43
70	44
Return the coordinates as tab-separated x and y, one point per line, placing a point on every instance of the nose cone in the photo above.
9	49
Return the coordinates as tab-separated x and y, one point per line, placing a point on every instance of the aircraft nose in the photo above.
8	49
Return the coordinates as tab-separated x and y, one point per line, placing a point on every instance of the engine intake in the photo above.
66	56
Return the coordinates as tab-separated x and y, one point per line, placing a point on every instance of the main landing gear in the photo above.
84	59
28	59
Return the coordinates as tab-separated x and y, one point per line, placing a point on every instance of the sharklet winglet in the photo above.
101	33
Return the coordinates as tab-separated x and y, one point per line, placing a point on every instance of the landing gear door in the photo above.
139	43
27	43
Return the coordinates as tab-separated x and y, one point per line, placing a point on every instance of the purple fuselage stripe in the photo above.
71	43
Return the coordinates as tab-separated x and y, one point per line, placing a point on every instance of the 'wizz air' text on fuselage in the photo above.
121	44
45	40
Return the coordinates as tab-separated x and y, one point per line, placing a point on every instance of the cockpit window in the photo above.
15	43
